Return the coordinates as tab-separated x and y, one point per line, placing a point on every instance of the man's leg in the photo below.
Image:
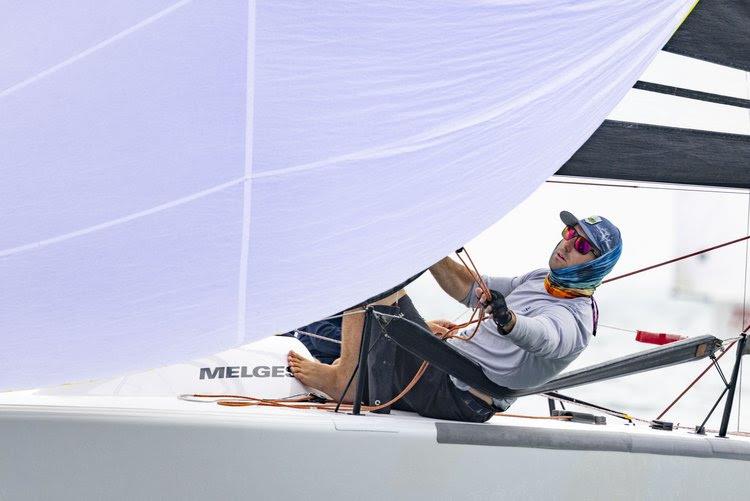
332	379
324	351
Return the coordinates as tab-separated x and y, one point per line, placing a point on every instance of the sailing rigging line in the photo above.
736	338
479	308
588	405
618	328
308	401
744	309
714	361
524	416
462	314
483	286
449	334
680	258
478	278
335	406
635	331
359	311
317	336
734	191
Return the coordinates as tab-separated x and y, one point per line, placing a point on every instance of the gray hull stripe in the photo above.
581	440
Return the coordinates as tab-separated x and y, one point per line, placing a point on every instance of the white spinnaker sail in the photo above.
179	178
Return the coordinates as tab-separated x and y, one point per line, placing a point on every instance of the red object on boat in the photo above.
657	337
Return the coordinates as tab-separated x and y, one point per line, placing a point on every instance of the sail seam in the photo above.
94	48
247	190
121	220
432	136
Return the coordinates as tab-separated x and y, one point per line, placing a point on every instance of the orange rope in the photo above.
303	403
448	335
412	383
239	400
245	401
475	273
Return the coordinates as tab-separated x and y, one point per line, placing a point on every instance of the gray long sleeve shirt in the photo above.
550	333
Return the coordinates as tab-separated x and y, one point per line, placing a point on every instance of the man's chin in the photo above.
555	264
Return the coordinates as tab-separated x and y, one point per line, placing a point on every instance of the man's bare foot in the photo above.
315	374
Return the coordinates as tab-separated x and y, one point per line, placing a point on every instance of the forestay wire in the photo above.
744	308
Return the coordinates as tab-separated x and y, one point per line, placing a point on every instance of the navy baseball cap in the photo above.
600	231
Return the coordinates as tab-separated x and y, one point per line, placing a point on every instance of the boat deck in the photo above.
96	447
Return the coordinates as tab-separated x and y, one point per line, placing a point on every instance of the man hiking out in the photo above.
539	323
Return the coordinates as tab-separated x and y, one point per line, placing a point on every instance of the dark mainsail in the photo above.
717	31
652	153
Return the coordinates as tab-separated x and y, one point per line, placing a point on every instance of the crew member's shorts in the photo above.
434	395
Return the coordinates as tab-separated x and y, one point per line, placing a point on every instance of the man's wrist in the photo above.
507	327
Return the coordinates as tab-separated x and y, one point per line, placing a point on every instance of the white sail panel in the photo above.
181	178
387	137
40	36
118	250
129	291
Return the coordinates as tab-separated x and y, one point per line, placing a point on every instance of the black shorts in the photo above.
434	395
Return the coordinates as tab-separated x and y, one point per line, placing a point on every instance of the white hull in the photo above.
153	448
132	438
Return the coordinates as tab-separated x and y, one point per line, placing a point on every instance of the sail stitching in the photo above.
121	220
94	48
247	189
429	137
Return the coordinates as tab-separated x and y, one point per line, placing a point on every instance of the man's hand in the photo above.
440	327
497	307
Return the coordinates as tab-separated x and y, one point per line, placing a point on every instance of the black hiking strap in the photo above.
422	343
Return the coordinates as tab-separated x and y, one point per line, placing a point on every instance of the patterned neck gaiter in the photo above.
581	280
